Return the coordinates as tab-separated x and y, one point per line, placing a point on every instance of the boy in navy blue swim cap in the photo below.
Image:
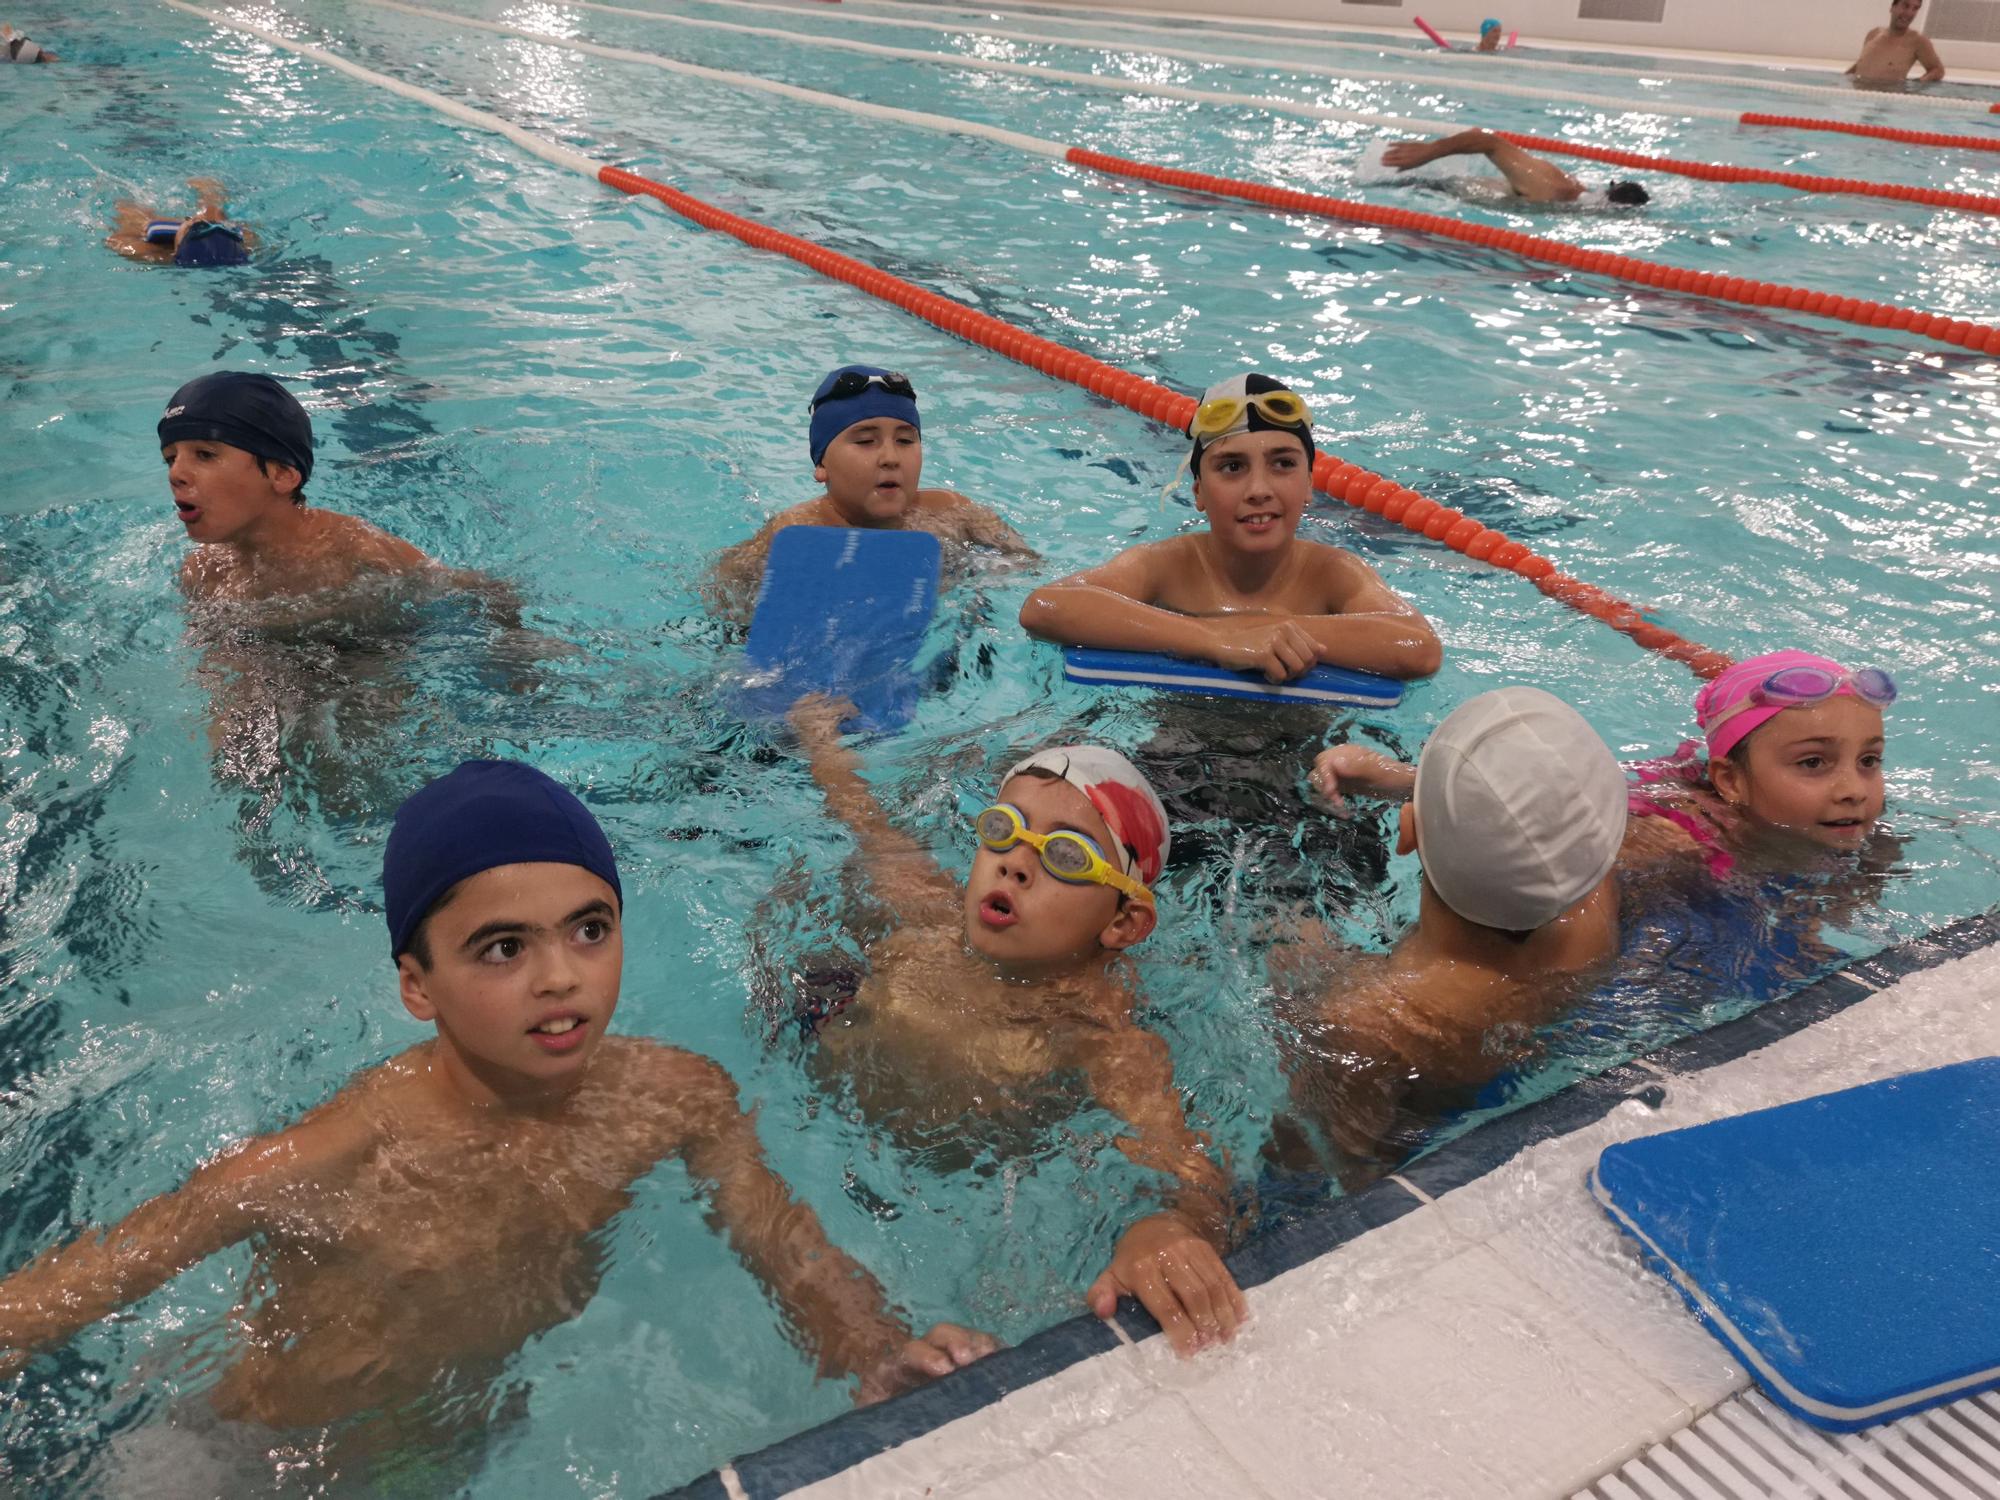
205	238
443	1207
239	449
866	442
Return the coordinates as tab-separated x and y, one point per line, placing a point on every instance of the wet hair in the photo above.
1628	194
298	498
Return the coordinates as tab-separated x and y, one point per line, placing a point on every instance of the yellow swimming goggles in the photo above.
1213	418
1070	857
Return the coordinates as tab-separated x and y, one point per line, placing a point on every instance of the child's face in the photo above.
1815	771
1020	916
525	964
219	492
1253	489
871	471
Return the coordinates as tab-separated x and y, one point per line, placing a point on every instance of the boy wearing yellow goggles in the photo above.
1248	592
1000	992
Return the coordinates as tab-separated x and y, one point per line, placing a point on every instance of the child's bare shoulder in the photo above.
323	1146
681	1090
368	544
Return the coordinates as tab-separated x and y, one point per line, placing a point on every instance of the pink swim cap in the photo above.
1737	684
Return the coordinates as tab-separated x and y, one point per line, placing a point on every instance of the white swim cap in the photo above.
1520	809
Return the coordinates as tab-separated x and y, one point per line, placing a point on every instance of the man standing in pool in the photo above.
1247	592
1516	810
445	1206
867	447
1889	52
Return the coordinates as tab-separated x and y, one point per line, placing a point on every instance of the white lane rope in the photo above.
1110	83
1034	145
1171	91
527	140
1094	16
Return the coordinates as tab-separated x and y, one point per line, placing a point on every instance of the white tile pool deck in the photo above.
1499	1341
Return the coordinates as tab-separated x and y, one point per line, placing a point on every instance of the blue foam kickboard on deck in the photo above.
1172	674
1846	1247
843	611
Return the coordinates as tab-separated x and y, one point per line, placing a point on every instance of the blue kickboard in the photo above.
843	611
1333	685
1847	1248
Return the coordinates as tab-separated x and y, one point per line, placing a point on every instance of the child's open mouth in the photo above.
188	511
1259	524
997	911
564	1033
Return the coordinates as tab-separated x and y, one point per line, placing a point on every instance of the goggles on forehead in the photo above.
1798	687
1215	417
1070	857
851	383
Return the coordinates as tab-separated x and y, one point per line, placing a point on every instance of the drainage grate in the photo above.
1964	21
1747	1447
1622	10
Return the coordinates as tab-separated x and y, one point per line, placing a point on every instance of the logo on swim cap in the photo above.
174	411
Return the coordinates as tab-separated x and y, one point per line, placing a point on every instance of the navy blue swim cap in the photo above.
485	814
832	415
251	412
210	244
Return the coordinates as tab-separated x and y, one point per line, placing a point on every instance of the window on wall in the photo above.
1963	21
1622	10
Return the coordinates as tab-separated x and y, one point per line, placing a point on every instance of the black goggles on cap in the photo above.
851	383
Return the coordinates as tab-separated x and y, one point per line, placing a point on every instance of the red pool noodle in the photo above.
1425	27
1513	37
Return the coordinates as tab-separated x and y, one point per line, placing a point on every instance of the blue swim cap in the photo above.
832	415
211	244
251	412
1489	24
485	814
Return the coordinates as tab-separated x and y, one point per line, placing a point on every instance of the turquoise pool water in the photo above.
529	375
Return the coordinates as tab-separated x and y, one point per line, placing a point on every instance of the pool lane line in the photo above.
1978	337
1981	338
1398	55
1095	16
1356	486
1882	132
1705	171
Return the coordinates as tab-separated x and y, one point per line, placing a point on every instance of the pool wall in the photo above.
856	1437
1967	35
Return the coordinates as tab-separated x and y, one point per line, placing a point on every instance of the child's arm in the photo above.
983	528
70	1287
834	1306
1171	1260
1110	607
1368	626
731	587
901	870
1343	771
213	198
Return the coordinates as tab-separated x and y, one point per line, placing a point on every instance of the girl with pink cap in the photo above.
1794	758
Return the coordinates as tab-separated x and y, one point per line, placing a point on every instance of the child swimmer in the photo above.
438	1211
1793	768
990	990
867	447
1248	592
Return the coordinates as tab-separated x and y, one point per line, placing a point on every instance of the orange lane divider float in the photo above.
1881	132
1805	182
1362	488
1979	337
